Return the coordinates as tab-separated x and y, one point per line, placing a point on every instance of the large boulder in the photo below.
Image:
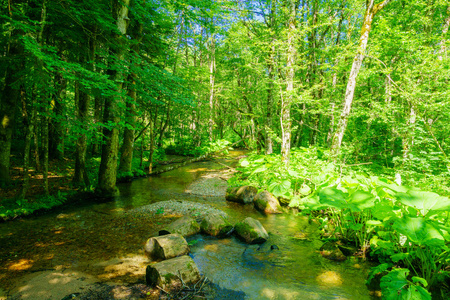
251	231
267	203
242	194
172	273
166	246
216	225
186	226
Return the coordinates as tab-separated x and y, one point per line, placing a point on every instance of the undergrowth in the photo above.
387	216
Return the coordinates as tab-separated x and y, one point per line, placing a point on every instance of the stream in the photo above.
72	248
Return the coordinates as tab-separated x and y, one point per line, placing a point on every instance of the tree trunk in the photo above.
56	129
107	175
82	100
98	116
126	150
371	10
285	116
37	160
408	140
152	140
29	121
9	98
212	70
270	92
45	121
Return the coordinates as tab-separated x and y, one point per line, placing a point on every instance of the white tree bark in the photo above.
286	102
408	140
371	10
212	70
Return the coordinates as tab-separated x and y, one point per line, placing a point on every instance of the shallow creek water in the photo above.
50	256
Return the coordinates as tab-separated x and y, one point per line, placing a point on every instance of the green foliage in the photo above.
186	147
306	172
395	223
396	286
12	208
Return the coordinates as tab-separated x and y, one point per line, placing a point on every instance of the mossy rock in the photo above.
166	246
216	225
186	226
251	231
267	203
242	194
166	274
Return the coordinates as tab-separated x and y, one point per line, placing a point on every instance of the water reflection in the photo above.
98	239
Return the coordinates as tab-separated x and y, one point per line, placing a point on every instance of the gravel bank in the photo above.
211	185
175	208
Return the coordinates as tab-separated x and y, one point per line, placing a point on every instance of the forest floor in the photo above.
59	185
59	179
97	254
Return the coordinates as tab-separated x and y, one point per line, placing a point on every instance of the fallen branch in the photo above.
162	289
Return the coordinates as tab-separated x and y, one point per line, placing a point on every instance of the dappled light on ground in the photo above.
52	284
21	265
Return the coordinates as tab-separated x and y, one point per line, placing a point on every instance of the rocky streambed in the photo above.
97	251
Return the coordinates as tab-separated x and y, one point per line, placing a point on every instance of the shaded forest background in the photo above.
102	82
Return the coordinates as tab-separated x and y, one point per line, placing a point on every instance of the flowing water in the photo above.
46	256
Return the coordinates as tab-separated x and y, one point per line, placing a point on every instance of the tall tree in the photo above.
286	101
371	10
108	165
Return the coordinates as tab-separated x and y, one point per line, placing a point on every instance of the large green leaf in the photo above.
383	210
333	197
356	201
416	292
280	188
393	285
425	202
419	231
361	200
392	186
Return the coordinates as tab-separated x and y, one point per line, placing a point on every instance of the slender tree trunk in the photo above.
371	10
285	116
126	150
56	133
37	160
164	125
45	138
408	140
82	100
29	121
152	140
108	166
98	116
270	92
212	70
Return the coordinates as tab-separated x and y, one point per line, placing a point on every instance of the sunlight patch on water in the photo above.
329	279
